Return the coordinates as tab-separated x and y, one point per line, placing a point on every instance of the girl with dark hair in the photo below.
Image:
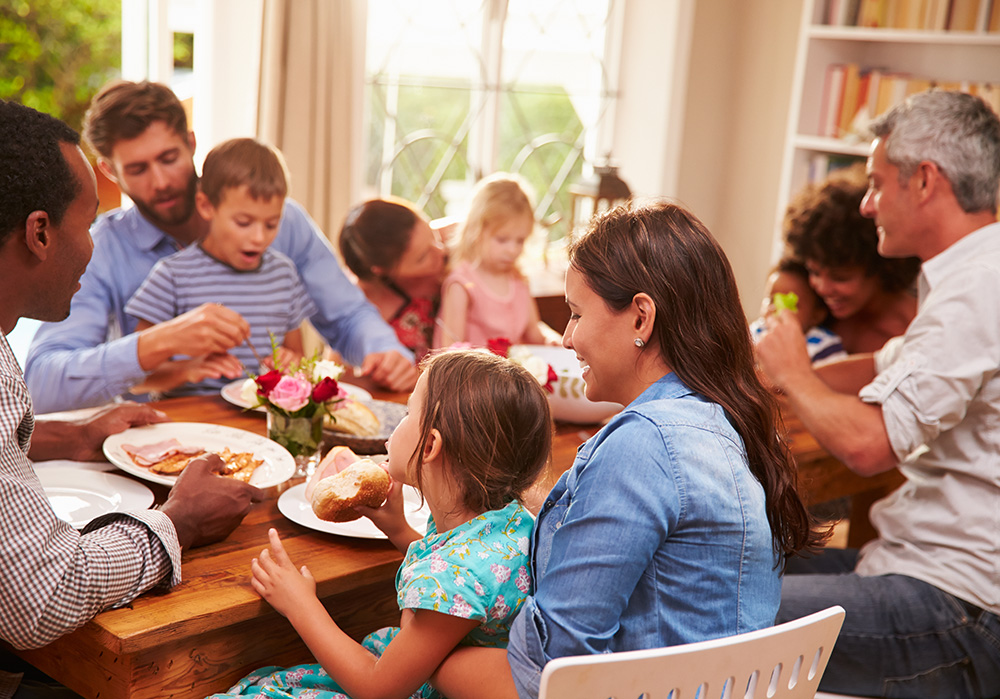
400	262
673	524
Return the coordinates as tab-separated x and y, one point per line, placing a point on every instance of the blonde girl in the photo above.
476	436
486	296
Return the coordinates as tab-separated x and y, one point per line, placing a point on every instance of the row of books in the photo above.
919	15
853	96
822	164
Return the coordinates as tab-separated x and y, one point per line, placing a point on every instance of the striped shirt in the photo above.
54	579
271	298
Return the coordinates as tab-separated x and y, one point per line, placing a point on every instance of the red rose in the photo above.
325	390
551	380
498	345
267	382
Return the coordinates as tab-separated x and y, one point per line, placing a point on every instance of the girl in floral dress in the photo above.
477	435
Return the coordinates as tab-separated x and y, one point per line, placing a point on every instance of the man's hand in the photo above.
782	353
390	370
82	440
204	506
209	329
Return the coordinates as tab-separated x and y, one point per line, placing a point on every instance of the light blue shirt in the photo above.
656	536
91	357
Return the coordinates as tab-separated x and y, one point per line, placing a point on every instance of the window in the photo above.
458	90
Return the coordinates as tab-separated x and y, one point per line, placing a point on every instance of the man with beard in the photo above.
53	578
139	131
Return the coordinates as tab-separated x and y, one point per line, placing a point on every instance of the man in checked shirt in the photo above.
53	578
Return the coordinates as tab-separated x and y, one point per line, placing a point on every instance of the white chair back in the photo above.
781	662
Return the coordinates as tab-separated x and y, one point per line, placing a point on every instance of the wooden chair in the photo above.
782	662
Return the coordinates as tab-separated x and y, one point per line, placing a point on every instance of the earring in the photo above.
639	342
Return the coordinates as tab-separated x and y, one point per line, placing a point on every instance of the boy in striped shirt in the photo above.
242	194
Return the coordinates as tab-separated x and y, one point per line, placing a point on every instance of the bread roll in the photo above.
362	483
354	418
335	461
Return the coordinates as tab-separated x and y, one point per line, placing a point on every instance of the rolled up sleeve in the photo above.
927	381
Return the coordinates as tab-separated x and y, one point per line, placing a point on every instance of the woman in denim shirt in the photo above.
674	521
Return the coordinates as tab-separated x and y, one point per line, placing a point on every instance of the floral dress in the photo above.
477	571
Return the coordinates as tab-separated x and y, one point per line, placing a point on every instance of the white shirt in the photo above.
939	389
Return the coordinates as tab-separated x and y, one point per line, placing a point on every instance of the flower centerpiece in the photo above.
297	398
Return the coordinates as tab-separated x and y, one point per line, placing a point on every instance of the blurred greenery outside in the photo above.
430	120
56	54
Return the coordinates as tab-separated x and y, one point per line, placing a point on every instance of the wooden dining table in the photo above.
204	634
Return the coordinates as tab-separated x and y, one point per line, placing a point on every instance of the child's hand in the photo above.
278	581
390	518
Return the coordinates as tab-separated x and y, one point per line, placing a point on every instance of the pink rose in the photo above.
290	394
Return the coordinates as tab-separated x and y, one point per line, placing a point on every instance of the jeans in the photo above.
902	637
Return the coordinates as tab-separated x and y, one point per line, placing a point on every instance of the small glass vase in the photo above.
301	436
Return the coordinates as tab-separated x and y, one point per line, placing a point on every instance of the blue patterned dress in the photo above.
476	571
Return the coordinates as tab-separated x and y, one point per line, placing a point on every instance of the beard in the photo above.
177	214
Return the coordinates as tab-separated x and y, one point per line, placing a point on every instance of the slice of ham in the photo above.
335	461
149	454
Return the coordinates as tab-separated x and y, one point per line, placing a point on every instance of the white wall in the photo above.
725	164
653	82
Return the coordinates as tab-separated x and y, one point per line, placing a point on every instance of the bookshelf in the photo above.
968	60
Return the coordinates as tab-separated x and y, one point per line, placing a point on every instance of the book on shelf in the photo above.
909	14
873	13
833	92
919	15
964	15
936	15
850	98
842	13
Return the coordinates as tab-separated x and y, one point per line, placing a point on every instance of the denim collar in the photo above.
667	386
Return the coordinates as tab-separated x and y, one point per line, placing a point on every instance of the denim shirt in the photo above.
91	357
656	536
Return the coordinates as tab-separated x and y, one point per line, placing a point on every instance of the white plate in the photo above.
294	506
78	496
233	393
277	468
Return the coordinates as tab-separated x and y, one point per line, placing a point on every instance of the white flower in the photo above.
324	369
536	366
248	392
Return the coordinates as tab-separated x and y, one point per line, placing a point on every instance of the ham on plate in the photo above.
149	454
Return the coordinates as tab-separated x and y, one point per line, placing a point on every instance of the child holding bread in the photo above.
477	435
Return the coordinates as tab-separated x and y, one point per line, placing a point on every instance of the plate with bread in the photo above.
362	425
159	453
233	393
342	481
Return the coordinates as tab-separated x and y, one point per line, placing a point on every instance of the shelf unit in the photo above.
944	56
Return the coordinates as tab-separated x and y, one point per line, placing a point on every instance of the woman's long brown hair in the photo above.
701	332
